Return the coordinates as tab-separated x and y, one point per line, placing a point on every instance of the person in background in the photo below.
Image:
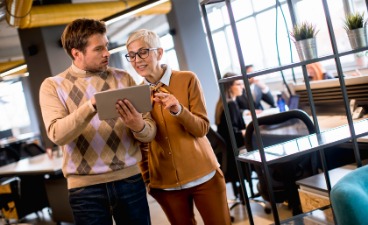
180	167
232	90
100	156
260	92
317	72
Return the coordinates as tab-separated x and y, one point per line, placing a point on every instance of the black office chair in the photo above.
219	147
8	155
284	174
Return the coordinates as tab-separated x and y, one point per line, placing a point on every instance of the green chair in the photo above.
349	198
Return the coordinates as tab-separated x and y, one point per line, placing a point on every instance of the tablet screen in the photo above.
139	96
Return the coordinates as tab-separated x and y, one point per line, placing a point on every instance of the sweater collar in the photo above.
83	73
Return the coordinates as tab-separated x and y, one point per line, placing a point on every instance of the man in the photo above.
100	157
260	91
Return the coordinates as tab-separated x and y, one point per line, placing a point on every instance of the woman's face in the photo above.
237	88
148	67
311	73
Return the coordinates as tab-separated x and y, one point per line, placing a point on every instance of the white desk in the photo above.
40	164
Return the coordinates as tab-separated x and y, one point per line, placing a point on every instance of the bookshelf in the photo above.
349	132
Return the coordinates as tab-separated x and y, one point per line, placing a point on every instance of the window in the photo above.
263	31
13	108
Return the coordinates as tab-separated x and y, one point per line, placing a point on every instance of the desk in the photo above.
56	187
266	112
313	191
36	165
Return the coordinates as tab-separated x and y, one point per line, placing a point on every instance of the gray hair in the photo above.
149	37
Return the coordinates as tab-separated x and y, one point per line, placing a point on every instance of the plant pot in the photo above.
307	49
357	38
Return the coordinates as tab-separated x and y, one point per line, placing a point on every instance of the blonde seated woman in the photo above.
316	71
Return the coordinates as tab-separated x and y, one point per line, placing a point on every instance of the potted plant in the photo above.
304	35
355	26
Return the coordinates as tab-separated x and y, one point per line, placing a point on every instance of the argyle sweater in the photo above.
94	151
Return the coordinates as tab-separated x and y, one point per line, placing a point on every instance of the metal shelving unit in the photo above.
304	145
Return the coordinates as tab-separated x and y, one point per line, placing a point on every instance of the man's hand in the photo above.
129	115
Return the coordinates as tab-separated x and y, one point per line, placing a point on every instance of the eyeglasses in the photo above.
142	53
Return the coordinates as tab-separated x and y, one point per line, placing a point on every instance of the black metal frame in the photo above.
336	55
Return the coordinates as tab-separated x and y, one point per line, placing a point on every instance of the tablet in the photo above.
139	96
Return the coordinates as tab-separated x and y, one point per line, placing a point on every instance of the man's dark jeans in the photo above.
124	200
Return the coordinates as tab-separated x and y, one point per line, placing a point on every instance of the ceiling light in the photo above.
14	70
133	10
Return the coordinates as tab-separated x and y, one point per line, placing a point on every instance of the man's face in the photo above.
96	55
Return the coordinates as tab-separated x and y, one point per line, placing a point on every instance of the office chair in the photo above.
9	196
8	155
219	147
284	173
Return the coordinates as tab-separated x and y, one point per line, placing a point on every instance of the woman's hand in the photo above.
168	101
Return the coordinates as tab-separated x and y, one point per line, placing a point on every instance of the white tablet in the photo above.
139	96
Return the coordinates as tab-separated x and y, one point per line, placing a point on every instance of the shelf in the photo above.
293	65
322	216
299	145
306	144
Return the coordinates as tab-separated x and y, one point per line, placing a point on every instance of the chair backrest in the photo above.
8	155
278	128
219	147
349	197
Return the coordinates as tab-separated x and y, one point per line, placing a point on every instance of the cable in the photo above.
277	48
290	50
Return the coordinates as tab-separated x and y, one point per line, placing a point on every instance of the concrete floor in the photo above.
158	217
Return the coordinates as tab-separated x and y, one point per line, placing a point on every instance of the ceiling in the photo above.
10	46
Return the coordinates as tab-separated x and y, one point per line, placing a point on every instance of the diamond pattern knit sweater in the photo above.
95	151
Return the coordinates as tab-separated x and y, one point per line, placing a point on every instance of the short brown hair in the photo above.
76	34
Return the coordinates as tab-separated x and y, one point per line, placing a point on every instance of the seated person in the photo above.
317	72
260	91
232	90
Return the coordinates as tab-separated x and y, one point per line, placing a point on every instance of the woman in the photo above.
181	168
232	91
317	72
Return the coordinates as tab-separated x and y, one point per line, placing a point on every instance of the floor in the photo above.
159	218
